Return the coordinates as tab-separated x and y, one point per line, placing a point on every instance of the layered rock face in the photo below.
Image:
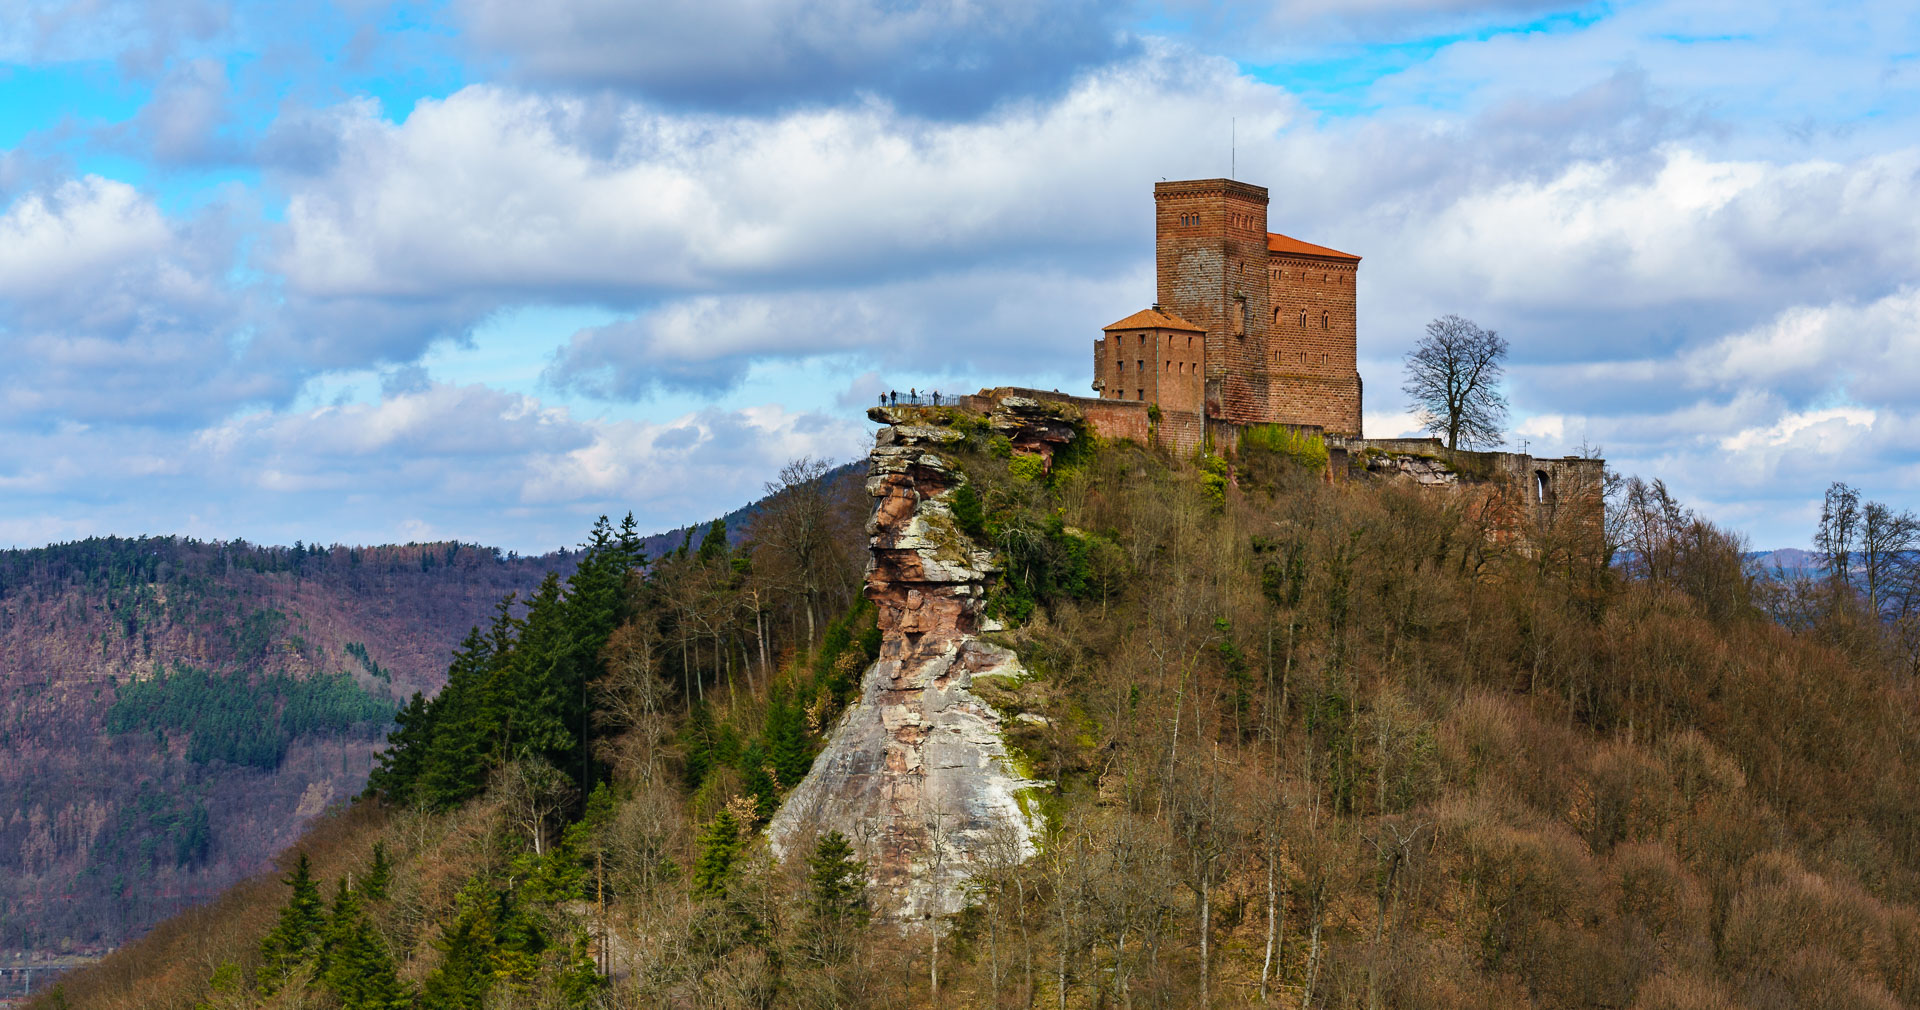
916	773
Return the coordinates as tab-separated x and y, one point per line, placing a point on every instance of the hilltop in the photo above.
1273	738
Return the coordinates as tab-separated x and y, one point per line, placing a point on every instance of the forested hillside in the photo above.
1305	744
174	711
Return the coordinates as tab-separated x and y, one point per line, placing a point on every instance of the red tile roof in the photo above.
1278	243
1154	319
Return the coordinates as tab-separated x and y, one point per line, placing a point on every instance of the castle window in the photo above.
1303	319
1323	320
1542	486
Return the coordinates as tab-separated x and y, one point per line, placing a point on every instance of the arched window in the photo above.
1276	317
1324	318
1303	319
1542	486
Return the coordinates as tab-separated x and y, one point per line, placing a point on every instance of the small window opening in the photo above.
1542	486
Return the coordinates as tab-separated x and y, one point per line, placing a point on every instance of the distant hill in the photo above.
738	521
1791	560
174	711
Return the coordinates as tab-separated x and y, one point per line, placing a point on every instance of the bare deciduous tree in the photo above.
534	793
795	533
1453	376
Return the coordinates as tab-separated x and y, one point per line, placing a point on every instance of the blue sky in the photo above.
366	271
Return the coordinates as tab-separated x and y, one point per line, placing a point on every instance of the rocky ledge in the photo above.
916	772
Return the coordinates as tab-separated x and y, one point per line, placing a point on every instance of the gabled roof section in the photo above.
1153	319
1278	243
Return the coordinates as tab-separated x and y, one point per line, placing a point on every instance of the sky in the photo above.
369	271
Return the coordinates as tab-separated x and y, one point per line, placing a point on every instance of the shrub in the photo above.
1213	477
969	513
1028	467
1308	451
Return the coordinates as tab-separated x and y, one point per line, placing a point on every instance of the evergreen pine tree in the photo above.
756	780
379	874
354	964
452	767
836	884
713	546
467	944
788	748
337	932
295	937
698	737
579	977
719	848
399	767
361	975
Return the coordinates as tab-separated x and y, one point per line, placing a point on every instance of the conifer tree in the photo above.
337	932
788	748
713	546
579	977
836	884
467	944
295	938
399	764
355	965
379	874
719	848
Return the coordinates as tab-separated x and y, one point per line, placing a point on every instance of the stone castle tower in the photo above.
1250	327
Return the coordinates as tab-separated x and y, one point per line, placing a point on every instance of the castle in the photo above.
1250	327
1253	327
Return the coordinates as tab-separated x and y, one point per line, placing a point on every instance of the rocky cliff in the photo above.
916	773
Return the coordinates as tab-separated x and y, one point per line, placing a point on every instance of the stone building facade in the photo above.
1251	326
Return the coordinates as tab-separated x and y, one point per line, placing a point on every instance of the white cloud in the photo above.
113	311
73	235
482	462
1004	325
1867	350
1815	432
512	192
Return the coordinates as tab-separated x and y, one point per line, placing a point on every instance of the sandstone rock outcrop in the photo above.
916	772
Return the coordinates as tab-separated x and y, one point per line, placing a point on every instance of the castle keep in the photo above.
1251	326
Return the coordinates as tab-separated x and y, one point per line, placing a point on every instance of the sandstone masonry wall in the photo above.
1210	261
